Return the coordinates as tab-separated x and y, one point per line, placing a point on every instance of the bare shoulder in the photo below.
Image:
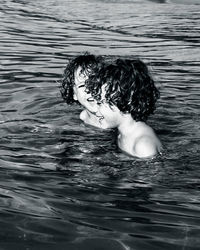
147	144
83	115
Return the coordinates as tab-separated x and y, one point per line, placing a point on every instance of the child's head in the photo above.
127	85
77	71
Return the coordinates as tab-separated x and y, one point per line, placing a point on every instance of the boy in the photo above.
73	86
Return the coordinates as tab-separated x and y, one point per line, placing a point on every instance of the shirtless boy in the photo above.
73	89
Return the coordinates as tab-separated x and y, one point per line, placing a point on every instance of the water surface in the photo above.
64	185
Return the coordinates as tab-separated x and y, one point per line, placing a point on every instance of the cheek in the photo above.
75	94
81	95
78	94
104	111
108	113
75	97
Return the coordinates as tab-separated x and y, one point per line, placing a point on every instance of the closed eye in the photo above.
81	86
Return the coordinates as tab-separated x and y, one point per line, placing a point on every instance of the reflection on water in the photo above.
64	185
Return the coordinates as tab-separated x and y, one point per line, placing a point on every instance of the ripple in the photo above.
66	184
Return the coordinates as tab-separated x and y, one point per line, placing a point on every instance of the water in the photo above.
64	185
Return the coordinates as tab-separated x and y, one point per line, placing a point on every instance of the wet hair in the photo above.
88	63
128	85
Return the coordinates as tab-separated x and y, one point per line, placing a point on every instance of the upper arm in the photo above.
146	146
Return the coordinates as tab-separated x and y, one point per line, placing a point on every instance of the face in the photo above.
80	94
110	113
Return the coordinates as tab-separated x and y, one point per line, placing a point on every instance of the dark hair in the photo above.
128	86
88	63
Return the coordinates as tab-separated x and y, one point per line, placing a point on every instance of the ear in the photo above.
75	97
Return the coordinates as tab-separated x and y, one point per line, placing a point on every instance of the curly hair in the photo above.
88	63
128	85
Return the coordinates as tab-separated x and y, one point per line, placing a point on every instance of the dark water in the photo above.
64	185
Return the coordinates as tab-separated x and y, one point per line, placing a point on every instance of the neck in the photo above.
126	123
